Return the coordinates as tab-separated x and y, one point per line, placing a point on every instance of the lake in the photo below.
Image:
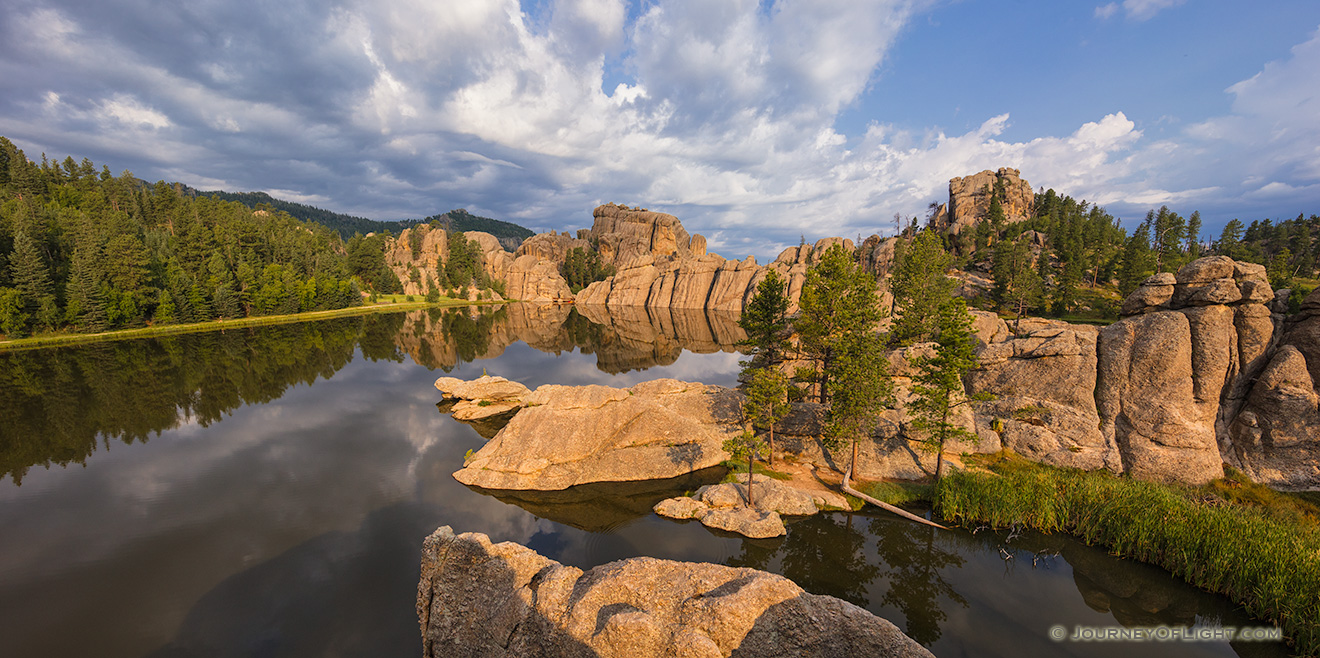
265	492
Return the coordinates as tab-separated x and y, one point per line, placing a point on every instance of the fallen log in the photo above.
847	488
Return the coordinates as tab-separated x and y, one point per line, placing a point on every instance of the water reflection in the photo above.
603	506
58	402
279	506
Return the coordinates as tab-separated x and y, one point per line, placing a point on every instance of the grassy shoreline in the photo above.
52	340
1264	557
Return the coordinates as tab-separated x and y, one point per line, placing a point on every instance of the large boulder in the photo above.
476	598
531	278
1148	400
1277	432
571	435
1043	381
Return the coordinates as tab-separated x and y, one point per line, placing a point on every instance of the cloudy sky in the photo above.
754	122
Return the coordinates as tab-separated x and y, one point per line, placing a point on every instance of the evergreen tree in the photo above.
86	300
1194	236
1136	263
938	385
859	389
1229	242
919	286
838	302
31	276
13	320
767	403
765	320
1017	284
746	446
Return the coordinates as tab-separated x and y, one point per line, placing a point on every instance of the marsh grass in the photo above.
1258	556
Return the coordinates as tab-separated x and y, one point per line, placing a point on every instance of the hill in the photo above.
510	235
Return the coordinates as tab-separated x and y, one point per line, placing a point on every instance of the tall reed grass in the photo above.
1267	562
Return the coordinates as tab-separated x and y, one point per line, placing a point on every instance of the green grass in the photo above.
53	339
896	493
1257	555
737	467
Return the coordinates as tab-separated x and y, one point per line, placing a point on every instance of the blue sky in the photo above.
754	122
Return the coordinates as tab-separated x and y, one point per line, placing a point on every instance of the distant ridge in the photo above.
510	235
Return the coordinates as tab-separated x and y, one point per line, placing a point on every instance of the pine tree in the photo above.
838	302
859	388
767	403
920	286
938	385
31	276
85	299
765	319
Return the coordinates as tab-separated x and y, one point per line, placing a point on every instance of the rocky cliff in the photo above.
476	598
531	274
969	199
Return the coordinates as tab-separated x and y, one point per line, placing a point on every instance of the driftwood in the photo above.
847	476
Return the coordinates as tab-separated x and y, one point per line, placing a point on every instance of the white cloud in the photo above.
723	112
129	111
1136	10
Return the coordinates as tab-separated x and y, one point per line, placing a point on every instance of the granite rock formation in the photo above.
969	199
570	435
530	275
476	598
1276	434
724	506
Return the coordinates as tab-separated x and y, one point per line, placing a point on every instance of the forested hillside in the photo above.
84	250
510	235
344	225
1072	258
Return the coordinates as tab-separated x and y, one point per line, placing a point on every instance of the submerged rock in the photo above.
476	598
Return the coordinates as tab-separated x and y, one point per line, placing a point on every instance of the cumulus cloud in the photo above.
723	112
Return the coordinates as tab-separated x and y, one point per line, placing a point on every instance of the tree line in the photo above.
84	250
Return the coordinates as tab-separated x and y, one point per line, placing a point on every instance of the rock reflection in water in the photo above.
603	506
623	338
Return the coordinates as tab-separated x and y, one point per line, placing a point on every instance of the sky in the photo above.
756	123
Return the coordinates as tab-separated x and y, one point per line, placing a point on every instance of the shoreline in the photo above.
58	340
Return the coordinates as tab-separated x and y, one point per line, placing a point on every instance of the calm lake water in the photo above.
265	492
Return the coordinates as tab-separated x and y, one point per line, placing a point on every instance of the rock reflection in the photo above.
622	338
603	506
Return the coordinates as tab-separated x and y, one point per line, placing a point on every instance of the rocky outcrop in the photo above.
476	598
724	506
431	253
571	435
969	199
1043	380
532	275
1174	374
1276	435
